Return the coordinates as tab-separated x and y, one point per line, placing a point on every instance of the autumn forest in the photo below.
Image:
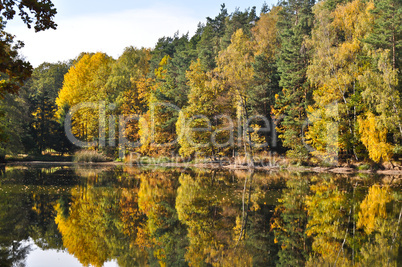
312	81
311	89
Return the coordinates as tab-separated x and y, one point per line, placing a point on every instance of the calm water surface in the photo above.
124	216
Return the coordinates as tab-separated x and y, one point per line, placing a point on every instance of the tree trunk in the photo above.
393	51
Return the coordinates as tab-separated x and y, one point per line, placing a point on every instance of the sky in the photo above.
110	26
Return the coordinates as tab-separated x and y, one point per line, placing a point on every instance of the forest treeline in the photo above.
325	75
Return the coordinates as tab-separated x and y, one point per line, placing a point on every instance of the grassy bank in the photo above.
261	162
45	158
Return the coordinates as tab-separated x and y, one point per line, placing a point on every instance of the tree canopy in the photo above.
317	82
13	69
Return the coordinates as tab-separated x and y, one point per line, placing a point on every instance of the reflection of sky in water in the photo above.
52	257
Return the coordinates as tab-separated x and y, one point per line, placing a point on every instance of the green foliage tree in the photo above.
40	95
13	132
266	48
294	26
210	35
168	93
14	69
266	75
238	20
387	30
289	224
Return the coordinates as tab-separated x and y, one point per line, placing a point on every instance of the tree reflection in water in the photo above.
200	217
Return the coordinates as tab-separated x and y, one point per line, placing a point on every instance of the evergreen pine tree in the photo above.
294	25
209	44
387	30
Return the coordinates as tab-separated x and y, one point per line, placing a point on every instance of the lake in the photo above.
83	215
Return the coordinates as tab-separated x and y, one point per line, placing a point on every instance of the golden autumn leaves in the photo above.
349	103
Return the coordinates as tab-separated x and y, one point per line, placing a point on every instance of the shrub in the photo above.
364	167
89	156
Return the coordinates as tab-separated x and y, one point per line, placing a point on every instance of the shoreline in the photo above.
290	168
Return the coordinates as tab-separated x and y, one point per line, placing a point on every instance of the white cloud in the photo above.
109	33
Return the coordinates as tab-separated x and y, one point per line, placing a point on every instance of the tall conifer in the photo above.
294	25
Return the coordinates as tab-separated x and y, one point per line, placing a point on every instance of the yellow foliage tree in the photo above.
381	92
328	212
199	203
235	68
130	78
379	217
207	101
153	198
336	64
374	137
157	126
265	33
82	230
373	208
85	83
